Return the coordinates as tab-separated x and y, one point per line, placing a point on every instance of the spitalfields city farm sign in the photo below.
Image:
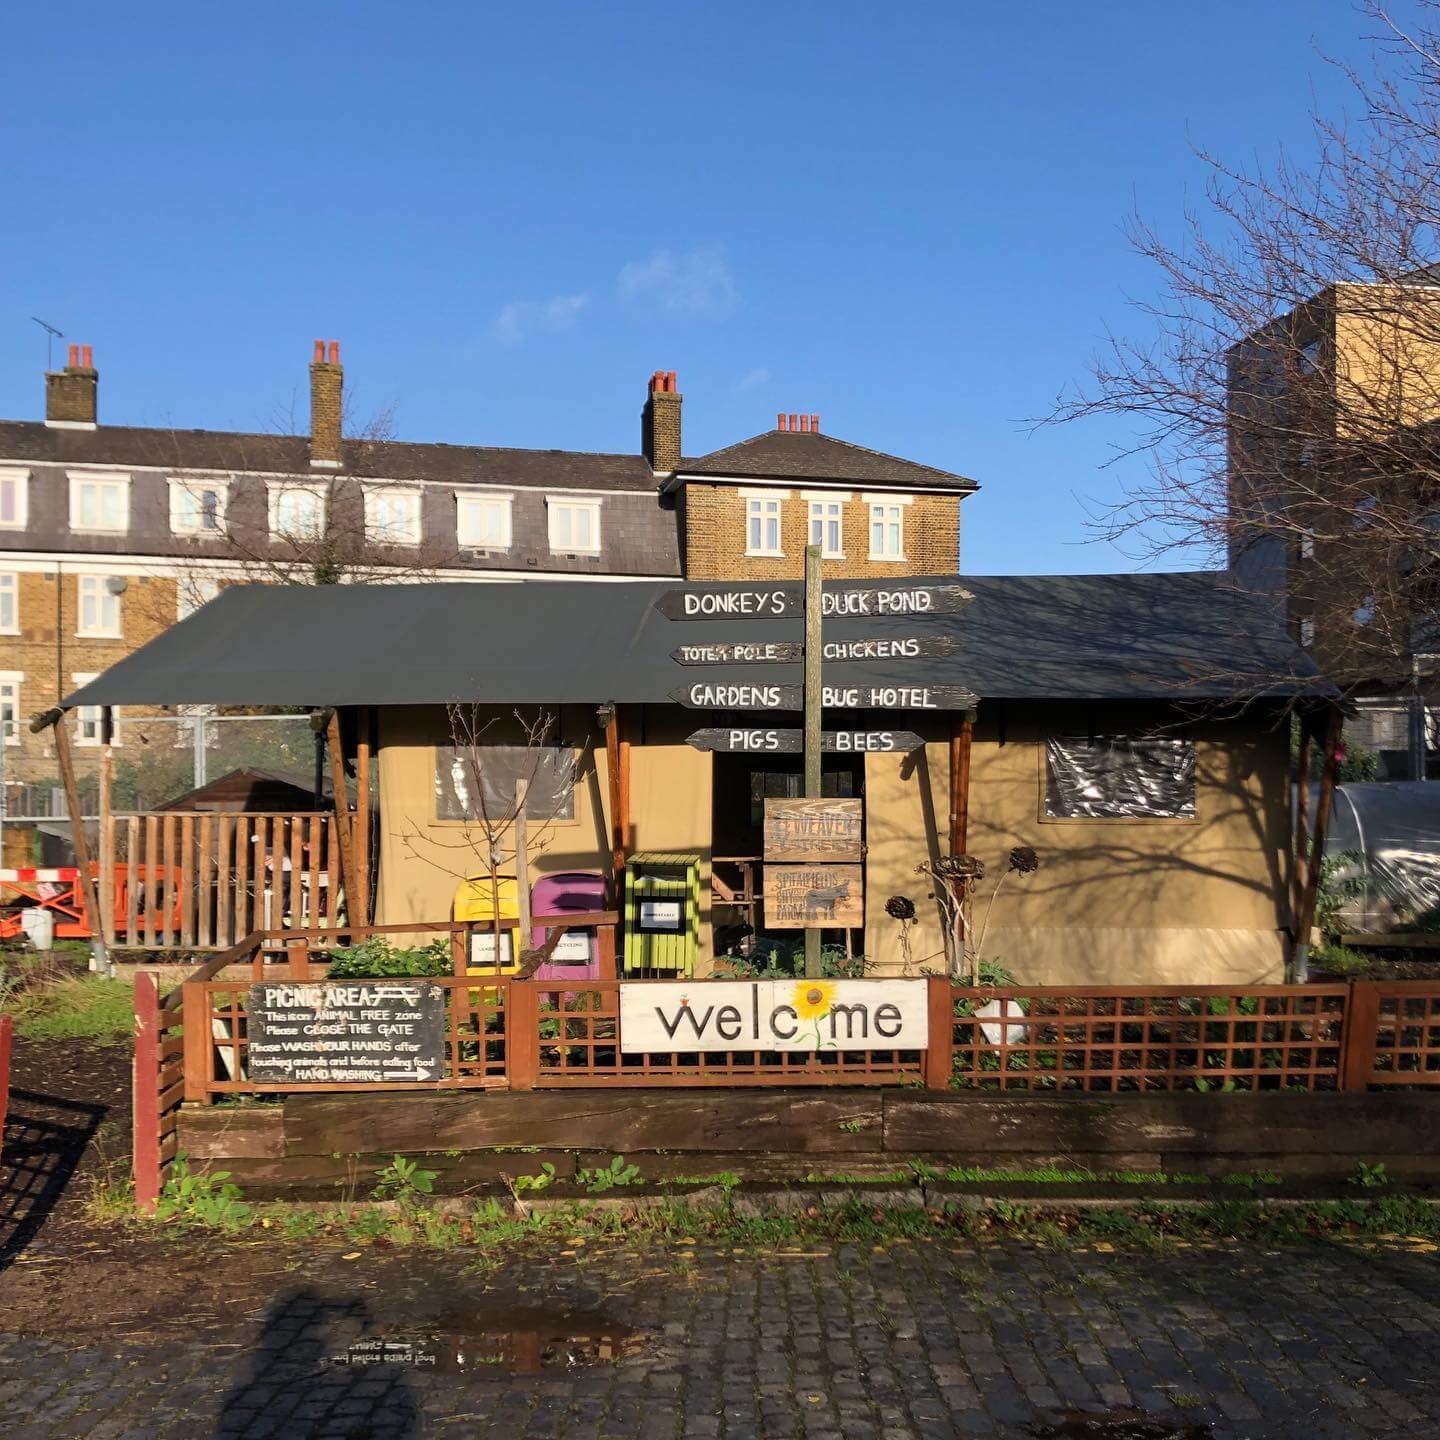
666	1017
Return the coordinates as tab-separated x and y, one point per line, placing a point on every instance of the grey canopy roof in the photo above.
543	642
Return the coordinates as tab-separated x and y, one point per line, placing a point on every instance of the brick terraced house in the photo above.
108	534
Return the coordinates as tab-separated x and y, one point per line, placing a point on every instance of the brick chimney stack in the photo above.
327	380
660	423
71	393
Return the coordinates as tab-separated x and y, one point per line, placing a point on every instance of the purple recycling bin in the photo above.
572	892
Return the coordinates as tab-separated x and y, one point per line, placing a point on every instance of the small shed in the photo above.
245	789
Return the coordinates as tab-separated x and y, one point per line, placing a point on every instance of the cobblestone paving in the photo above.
914	1341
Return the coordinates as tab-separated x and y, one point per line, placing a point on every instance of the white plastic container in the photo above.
38	923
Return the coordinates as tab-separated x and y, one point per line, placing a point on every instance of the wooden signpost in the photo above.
786	602
814	830
712	695
814	897
759	741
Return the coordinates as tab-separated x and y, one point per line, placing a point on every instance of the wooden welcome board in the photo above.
814	830
814	897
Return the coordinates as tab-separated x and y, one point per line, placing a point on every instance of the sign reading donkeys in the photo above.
663	1016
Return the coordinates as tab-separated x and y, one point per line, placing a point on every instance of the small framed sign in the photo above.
665	915
814	830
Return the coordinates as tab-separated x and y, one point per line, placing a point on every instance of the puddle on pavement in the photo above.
1118	1425
523	1344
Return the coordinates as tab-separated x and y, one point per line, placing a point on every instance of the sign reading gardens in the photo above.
665	1017
360	1032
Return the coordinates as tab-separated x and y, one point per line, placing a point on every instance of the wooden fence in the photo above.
510	1032
206	881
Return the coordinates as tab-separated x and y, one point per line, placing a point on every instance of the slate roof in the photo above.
809	455
122	445
1172	637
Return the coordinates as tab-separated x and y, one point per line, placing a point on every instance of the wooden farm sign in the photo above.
792	742
814	897
814	830
663	1017
779	602
355	1032
713	695
792	652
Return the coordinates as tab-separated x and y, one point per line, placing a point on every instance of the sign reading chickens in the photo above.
668	1017
361	1032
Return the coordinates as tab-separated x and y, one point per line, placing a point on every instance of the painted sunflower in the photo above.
812	999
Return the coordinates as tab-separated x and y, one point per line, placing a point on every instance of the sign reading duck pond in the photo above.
664	1016
356	1032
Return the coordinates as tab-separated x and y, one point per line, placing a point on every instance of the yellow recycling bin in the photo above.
475	901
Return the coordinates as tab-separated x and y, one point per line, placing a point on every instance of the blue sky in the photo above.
908	219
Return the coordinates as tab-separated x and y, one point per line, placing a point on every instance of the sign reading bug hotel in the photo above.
668	1017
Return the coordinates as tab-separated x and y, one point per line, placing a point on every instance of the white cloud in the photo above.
695	282
750	381
520	319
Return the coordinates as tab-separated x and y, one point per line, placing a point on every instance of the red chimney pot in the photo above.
319	352
794	421
334	352
780	421
74	356
815	424
87	357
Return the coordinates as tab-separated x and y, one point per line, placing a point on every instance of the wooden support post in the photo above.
341	799
1305	918
1362	1020
962	731
1302	817
522	1034
107	825
198	1037
940	1044
605	951
145	1090
615	764
362	816
522	869
813	719
100	954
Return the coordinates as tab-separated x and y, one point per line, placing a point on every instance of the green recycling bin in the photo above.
662	913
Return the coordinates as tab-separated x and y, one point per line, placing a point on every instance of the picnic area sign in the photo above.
814	897
758	741
338	1032
779	602
814	830
666	1017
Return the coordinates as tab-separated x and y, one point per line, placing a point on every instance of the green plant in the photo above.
201	1199
607	1177
1342	879
785	960
851	1127
542	1181
1368	1177
403	1180
376	959
1339	960
78	1007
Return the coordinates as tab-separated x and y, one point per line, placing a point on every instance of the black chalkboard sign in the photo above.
346	1032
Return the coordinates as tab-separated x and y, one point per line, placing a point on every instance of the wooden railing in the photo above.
205	881
509	1032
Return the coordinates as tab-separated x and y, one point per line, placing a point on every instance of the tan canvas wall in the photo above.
1114	902
422	859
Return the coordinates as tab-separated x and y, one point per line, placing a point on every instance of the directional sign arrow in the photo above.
714	695
792	742
780	602
791	652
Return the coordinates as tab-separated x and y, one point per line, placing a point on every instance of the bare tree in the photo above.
1285	384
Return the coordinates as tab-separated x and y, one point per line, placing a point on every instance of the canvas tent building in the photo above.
1132	729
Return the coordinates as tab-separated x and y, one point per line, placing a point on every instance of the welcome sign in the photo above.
665	1016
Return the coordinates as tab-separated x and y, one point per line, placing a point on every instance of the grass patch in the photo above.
77	1007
